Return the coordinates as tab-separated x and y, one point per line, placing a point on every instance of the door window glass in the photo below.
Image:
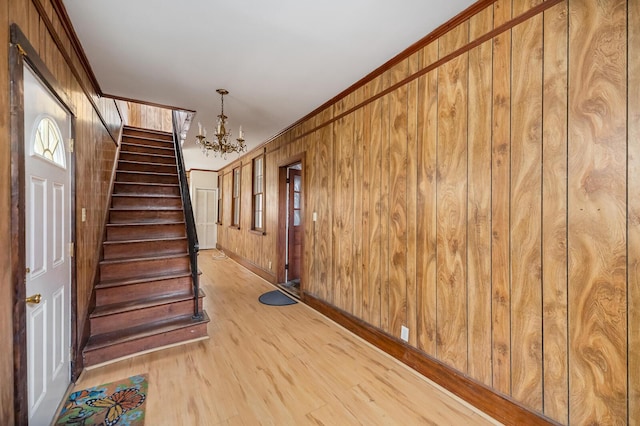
48	141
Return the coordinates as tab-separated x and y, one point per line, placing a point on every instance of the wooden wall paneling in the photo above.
597	212
324	168
6	283
374	279
365	172
415	61
358	201
385	208
479	200
554	214
310	271
526	210
452	204
427	203
500	189
346	192
633	220
33	31
338	211
398	203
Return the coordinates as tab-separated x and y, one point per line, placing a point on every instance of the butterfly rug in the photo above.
120	403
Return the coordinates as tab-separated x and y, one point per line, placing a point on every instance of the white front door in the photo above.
47	128
206	209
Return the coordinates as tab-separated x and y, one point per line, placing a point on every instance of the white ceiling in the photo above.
279	59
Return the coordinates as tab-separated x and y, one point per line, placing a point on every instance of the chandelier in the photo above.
220	143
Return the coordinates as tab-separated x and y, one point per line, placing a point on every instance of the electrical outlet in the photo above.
269	264
404	333
84	214
315	216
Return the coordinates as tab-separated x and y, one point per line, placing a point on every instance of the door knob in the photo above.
34	299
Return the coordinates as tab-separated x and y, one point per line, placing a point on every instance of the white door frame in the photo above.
20	52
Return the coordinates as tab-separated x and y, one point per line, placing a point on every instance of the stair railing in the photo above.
192	236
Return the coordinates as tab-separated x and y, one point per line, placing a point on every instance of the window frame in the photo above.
236	199
255	192
220	198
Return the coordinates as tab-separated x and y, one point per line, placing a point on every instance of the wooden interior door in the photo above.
47	128
206	208
294	224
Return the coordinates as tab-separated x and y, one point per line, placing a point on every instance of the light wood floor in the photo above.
281	366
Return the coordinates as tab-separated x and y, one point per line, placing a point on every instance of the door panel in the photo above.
206	207
47	127
295	224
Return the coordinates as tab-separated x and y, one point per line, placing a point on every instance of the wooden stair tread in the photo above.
126	335
142	129
125	182
145	240
145	223
142	279
144	163
139	140
141	258
147	173
147	208
132	305
164	148
148	154
145	195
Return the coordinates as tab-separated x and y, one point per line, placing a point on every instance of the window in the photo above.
220	199
235	206
48	142
258	194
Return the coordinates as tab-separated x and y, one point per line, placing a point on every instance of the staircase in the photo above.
145	293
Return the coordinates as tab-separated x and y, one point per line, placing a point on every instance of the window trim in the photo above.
220	198
236	173
262	229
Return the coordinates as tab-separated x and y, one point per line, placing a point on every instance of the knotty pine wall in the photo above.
489	201
97	119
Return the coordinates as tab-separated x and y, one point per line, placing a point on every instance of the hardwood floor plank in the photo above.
279	365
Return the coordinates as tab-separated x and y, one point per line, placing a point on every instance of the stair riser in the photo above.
150	135
145	202
145	158
155	168
147	142
146	216
109	323
144	248
123	293
141	232
146	178
123	188
147	149
144	267
147	343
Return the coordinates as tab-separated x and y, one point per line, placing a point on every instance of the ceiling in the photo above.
279	59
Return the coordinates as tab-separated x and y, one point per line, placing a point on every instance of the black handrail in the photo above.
190	223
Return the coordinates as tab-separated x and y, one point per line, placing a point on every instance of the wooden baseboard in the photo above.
497	406
265	275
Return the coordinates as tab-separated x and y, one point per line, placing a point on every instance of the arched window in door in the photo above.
48	143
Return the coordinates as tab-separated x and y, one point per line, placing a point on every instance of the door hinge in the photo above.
71	143
21	50
72	247
288	180
286	267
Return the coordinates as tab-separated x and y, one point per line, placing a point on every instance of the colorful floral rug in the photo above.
119	403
